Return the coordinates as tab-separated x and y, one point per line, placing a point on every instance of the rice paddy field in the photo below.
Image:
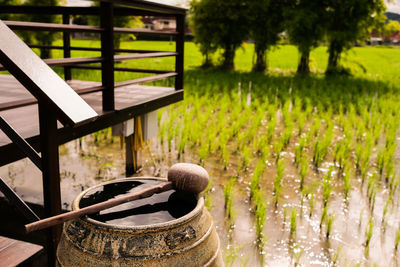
304	170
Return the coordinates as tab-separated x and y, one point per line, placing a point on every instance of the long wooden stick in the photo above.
51	221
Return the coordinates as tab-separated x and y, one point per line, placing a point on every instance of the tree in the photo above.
120	22
305	23
4	16
199	23
266	23
348	22
224	24
392	27
41	37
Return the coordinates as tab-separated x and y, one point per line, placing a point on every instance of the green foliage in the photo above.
41	37
120	22
392	27
220	24
266	23
348	22
305	26
4	16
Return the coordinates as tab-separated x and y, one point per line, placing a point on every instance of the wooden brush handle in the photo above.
51	221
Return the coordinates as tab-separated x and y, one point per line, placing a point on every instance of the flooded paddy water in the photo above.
300	176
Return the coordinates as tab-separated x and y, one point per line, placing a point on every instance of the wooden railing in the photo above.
106	12
63	104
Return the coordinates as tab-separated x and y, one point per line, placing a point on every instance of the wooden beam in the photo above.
50	176
180	46
107	52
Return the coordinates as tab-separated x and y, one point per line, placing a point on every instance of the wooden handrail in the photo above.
91	67
144	31
55	27
144	55
22	25
146	79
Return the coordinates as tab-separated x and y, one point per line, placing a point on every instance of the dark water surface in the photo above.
158	208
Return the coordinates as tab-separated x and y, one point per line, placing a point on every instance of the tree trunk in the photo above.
261	59
304	66
207	60
229	56
335	49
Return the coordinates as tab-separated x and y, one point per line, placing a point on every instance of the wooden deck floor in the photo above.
14	252
130	100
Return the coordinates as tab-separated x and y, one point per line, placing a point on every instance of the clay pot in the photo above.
190	240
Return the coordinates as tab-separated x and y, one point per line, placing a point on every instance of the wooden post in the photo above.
66	48
129	158
180	43
51	176
107	52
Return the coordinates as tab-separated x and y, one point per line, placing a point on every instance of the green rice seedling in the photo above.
261	215
317	126
303	195
372	188
285	211
278	148
207	195
358	152
335	256
311	203
329	222
278	180
232	254
376	132
285	138
298	252
337	150
245	158
303	172
326	187
299	150
225	157
293	224
317	157
359	130
228	194
397	238
182	143
170	136
369	231
203	152
380	161
255	180
271	129
322	146
323	216
300	123
386	209
347	184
